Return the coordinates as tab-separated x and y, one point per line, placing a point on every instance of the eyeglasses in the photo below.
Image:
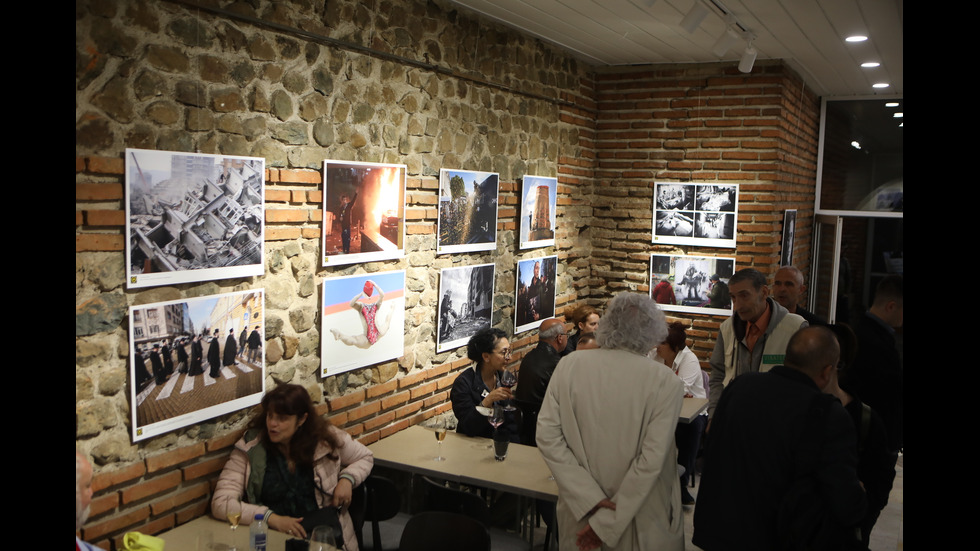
503	351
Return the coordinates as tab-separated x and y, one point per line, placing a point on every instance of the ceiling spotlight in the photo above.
891	104
880	85
856	145
856	38
694	17
748	58
899	115
870	64
725	42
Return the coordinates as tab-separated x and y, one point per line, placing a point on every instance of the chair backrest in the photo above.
382	502
441	498
444	531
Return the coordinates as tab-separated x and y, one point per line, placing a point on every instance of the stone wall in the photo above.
414	82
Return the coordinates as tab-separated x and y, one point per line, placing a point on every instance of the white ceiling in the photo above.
809	34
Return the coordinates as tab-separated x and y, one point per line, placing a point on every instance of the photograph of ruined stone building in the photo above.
609	97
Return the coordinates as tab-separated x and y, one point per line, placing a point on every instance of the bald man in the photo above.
788	288
779	446
536	369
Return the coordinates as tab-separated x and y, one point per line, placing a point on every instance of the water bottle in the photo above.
256	534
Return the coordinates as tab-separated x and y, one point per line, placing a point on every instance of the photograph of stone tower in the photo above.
539	199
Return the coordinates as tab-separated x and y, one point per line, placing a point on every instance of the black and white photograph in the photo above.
535	292
538	205
789	238
363	212
194	359
465	304
467	211
193	217
692	284
695	214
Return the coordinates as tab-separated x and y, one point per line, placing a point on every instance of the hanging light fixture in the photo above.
748	56
727	38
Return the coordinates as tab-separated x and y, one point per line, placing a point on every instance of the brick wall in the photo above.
160	76
704	122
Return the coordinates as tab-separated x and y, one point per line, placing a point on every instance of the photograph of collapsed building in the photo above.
363	212
195	359
540	198
695	214
692	284
193	217
465	304
467	211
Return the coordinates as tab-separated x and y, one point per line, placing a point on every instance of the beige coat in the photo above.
355	459
606	430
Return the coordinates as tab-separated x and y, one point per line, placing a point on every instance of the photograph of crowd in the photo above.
535	292
193	217
540	197
195	359
695	214
467	211
363	212
363	321
465	304
693	284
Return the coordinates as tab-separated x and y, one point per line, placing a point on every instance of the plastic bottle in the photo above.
256	534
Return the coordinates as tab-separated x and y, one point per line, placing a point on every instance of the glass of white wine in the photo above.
234	513
440	427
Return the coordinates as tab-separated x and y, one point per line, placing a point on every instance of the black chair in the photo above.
442	531
382	503
451	500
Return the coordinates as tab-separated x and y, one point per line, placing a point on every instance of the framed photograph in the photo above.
538	205
193	217
363	321
703	214
194	359
692	284
535	292
467	211
363	212
465	304
789	238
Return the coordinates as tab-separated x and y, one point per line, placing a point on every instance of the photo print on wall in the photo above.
363	212
538	206
194	359
535	292
703	214
465	304
693	284
363	321
467	211
193	217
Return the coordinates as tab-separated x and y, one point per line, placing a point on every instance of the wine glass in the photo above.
323	539
508	379
440	426
234	513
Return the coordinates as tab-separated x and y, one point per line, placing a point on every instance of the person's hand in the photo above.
496	395
342	493
587	539
289	525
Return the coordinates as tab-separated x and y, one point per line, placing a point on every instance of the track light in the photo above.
694	17
748	57
725	42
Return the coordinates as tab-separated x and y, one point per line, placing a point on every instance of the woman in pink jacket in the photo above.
290	463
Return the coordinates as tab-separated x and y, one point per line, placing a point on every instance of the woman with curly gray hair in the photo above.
616	488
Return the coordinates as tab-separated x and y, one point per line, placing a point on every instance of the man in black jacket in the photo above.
536	369
771	433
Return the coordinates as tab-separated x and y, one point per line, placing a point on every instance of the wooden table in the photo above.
208	534
468	461
692	408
